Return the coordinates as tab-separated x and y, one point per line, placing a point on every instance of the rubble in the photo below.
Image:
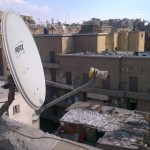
121	138
121	128
103	122
108	119
111	53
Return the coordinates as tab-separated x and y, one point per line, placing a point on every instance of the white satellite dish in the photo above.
23	59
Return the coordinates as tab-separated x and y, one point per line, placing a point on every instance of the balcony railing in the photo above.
125	94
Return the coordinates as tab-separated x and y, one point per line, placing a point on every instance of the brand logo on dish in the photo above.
19	49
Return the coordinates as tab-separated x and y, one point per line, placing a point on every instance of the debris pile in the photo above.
111	53
120	127
121	138
104	122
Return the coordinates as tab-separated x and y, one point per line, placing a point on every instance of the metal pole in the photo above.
96	79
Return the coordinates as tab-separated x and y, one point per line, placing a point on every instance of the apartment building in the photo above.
127	84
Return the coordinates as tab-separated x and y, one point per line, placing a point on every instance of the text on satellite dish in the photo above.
19	49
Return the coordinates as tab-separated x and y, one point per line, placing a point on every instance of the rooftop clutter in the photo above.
120	127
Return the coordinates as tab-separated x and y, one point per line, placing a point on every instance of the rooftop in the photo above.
121	127
105	118
117	54
16	135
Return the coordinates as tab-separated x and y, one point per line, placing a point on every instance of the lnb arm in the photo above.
95	76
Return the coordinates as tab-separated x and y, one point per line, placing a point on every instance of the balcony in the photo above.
51	65
107	92
137	95
125	94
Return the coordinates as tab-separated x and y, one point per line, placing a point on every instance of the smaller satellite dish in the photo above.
23	59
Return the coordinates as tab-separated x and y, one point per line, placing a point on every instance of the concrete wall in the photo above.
147	42
85	42
25	115
101	42
67	44
136	67
142	41
112	41
26	112
115	41
122	41
48	44
82	64
136	41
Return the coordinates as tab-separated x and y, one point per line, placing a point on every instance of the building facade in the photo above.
19	110
127	84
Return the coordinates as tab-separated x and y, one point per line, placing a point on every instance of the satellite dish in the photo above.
23	59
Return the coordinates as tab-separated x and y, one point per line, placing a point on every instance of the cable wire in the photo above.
41	137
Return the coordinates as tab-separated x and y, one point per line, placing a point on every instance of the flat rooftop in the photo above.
116	54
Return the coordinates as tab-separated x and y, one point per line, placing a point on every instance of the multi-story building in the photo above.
127	84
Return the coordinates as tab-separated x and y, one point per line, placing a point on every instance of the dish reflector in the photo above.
23	59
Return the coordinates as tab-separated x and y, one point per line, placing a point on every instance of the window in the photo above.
68	78
133	84
16	109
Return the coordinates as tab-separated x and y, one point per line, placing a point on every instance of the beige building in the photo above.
19	110
123	41
112	41
127	84
131	41
94	42
136	41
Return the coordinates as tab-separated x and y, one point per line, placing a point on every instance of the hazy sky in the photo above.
79	10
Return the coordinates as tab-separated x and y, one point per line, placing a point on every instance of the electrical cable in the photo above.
41	137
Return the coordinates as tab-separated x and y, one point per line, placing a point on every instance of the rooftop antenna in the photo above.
26	67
